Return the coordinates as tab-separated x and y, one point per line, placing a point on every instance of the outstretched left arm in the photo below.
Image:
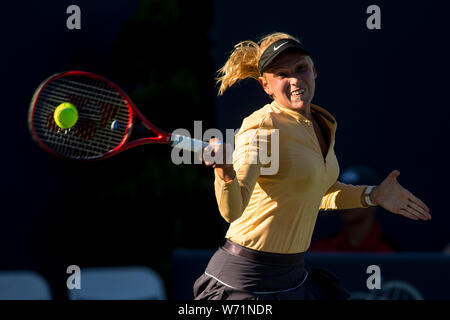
393	197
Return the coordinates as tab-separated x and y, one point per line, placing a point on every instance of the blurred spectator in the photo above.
360	230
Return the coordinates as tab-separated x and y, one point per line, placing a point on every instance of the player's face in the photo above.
290	80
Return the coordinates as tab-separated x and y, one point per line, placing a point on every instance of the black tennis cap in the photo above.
275	49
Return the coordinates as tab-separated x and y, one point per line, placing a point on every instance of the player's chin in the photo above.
298	103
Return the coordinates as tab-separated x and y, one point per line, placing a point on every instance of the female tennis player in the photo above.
272	216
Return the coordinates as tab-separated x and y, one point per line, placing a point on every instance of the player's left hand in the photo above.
393	197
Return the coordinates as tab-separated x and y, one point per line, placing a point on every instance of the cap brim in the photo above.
273	51
292	48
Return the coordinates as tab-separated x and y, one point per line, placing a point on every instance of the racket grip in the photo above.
185	143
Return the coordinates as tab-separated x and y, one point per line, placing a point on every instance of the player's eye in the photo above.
301	67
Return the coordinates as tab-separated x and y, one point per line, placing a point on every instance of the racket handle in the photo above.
186	143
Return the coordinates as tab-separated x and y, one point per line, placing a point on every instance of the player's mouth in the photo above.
298	92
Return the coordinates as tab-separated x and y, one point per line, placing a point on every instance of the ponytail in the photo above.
243	60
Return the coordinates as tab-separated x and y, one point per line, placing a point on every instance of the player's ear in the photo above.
265	85
314	69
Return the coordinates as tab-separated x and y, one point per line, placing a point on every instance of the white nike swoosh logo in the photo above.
278	47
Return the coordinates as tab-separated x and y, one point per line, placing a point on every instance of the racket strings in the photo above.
51	124
57	96
65	142
97	91
98	105
78	101
85	129
107	112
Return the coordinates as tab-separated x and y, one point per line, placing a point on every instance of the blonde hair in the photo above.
243	60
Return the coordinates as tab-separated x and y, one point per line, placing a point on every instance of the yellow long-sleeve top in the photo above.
272	206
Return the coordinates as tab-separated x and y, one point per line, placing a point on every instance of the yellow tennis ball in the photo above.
66	115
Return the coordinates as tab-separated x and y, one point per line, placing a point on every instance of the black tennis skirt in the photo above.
239	273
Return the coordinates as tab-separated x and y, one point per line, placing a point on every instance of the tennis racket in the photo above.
106	116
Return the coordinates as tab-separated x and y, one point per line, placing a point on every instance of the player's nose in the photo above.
294	81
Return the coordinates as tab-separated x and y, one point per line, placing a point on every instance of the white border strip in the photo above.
259	292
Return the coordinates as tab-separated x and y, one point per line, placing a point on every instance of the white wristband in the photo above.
367	195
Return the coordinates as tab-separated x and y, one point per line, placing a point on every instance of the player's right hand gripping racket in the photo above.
104	123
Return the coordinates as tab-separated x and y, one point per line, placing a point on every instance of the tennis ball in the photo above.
65	115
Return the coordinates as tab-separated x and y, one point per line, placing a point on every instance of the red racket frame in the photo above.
161	138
